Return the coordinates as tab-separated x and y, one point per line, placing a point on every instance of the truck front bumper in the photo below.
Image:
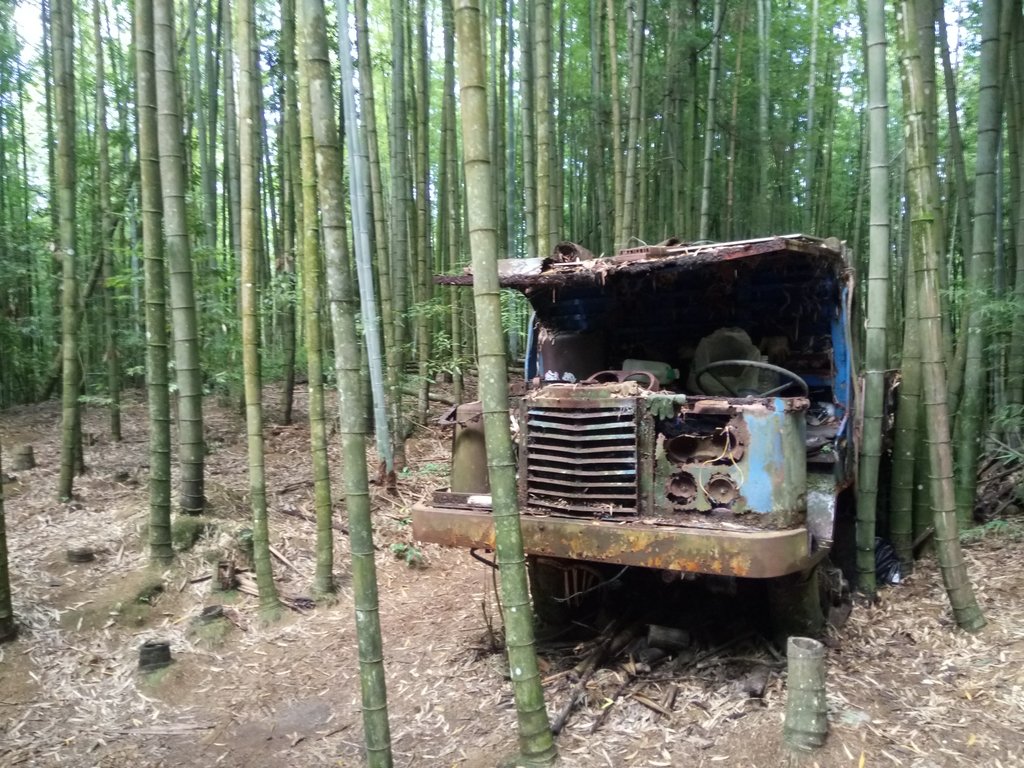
758	554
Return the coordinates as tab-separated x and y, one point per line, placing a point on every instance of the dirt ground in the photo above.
905	687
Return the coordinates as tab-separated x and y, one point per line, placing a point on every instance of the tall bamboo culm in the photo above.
878	298
313	315
925	250
158	395
62	35
249	159
536	743
347	359
7	625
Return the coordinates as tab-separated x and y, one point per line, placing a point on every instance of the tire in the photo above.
795	606
563	591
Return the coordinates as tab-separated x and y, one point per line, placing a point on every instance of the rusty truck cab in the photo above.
688	408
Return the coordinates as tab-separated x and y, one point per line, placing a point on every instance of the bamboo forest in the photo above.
473	383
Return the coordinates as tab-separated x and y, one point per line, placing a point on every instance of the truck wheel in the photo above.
563	591
795	606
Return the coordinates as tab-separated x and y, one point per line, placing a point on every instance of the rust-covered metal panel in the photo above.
738	460
524	274
747	553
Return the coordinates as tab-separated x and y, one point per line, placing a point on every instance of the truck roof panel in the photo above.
572	264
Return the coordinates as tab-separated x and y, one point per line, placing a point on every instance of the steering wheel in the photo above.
709	370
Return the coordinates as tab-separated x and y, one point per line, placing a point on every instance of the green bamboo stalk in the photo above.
191	444
249	156
806	723
633	178
361	192
312	312
158	395
291	205
971	417
1015	125
8	628
905	454
543	119
62	22
925	253
709	124
377	732
448	187
618	168
381	239
423	288
878	299
401	205
536	743
105	252
232	181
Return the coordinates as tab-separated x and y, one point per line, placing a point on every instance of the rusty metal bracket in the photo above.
447	419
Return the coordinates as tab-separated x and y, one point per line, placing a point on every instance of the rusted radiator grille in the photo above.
582	460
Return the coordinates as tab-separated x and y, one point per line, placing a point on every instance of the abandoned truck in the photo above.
687	409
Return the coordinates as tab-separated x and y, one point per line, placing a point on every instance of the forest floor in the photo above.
905	687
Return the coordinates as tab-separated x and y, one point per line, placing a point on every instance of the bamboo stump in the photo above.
23	458
211	613
225	578
806	722
154	654
80	555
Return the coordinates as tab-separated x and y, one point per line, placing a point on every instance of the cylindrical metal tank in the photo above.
469	454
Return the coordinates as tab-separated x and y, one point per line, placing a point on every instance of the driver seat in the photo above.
725	344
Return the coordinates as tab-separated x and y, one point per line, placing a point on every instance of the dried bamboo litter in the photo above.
806	722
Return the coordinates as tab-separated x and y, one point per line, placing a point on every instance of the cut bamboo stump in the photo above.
154	654
806	722
211	613
80	555
22	458
225	578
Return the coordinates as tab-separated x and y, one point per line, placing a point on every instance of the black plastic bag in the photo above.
887	563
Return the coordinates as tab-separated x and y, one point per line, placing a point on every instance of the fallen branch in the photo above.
610	643
247	586
277	553
292	512
611	703
682	665
431	395
651	704
631	678
1002	507
171	729
196	580
922	537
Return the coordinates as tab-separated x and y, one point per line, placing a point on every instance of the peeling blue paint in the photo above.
776	436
